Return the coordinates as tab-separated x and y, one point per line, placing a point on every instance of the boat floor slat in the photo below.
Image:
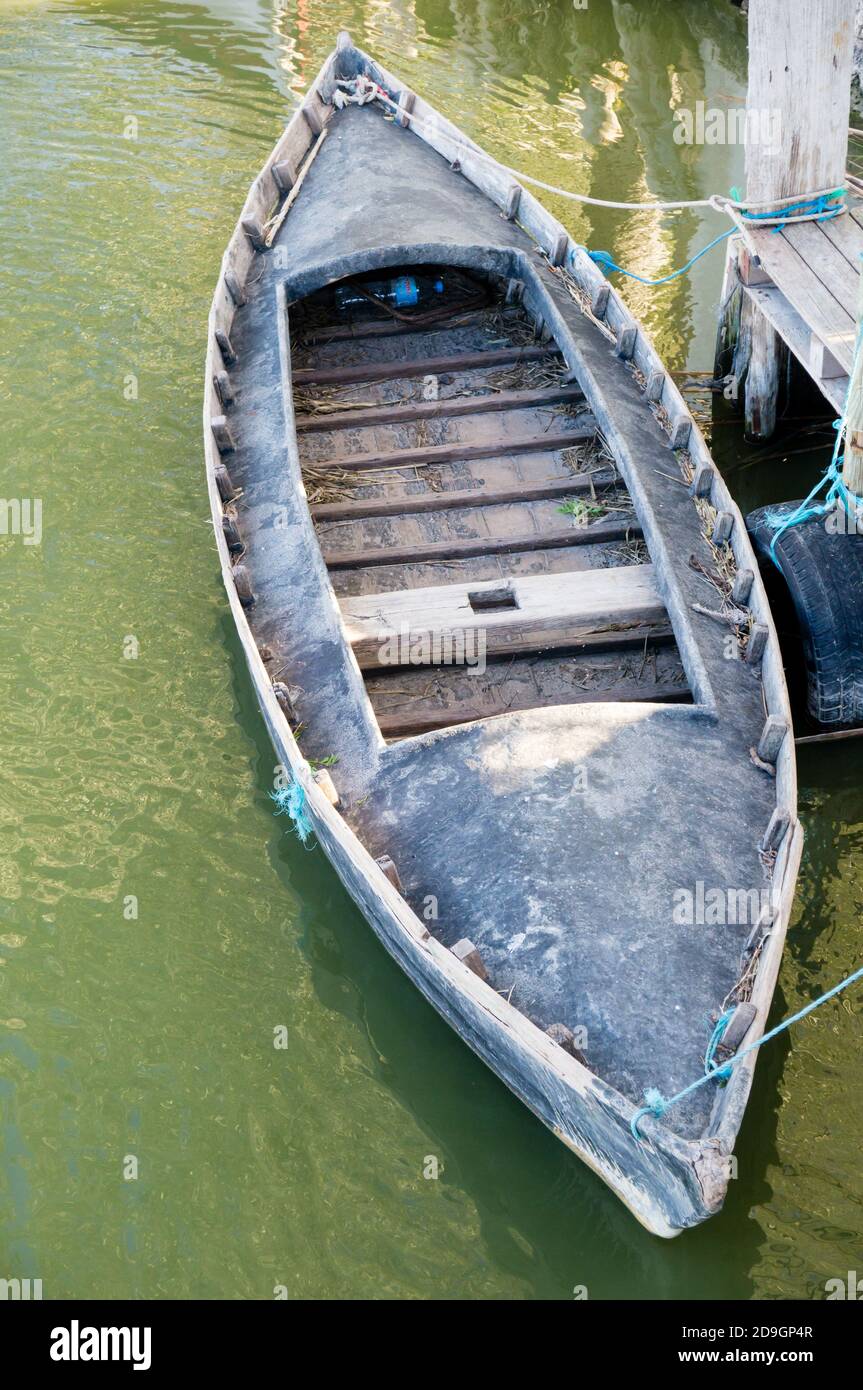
426	718
456	452
599	533
421	366
393	328
533	564
502	644
452	499
441	408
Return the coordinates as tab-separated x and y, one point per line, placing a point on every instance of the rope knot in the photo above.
602	258
654	1104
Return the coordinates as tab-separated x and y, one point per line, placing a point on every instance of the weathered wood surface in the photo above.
361	329
437	454
799	272
598	533
421	366
421	721
453	498
406	412
504	643
809	351
582	601
799	66
852	465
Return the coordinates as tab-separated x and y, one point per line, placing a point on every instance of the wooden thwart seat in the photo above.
558	607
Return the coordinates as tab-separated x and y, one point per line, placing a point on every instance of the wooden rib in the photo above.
459	453
505	643
406	411
420	366
420	721
389	328
544	490
597	534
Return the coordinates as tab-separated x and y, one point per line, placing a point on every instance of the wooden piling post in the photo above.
796	142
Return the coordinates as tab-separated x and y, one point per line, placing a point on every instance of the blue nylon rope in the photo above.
710	1066
831	478
823	205
291	801
655	1102
809	508
604	259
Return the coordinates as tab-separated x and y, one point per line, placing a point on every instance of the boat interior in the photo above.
467	505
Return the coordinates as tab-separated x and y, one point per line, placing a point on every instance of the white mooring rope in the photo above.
365	90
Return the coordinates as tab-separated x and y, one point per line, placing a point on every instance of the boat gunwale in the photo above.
238	257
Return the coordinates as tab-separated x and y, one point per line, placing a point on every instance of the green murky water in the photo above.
131	130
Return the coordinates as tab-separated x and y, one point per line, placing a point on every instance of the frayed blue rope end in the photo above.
291	801
655	1104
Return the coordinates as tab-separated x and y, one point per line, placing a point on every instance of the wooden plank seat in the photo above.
566	606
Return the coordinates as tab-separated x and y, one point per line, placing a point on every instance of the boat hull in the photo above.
668	1182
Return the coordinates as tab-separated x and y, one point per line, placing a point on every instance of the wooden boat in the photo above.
539	837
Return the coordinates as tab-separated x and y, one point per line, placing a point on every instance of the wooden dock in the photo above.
795	287
805	282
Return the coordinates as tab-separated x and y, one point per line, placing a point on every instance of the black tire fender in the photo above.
820	569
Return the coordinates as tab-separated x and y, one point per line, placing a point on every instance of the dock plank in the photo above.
826	261
846	235
808	295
